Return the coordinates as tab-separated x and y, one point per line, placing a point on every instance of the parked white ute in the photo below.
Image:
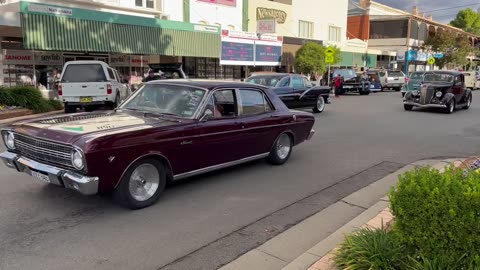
89	84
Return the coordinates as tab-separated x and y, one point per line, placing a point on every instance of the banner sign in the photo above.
231	3
249	49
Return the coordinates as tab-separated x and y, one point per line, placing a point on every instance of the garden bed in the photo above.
13	112
434	223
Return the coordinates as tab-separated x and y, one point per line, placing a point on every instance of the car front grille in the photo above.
426	95
51	153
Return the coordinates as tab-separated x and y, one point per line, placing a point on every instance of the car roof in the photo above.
86	62
272	74
452	72
206	84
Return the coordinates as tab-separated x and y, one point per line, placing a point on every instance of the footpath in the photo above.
309	245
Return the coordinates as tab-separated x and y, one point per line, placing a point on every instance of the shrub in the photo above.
438	263
437	215
27	97
370	249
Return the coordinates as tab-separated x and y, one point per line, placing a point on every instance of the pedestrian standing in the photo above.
338	85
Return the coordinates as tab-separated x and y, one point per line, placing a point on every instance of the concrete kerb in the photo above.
5	122
307	242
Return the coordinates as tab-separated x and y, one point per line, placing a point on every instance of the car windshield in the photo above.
416	76
346	73
438	78
182	101
394	73
84	73
270	81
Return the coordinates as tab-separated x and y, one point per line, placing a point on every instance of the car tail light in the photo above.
60	92
109	89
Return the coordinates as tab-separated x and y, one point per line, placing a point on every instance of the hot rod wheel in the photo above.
142	184
320	106
281	150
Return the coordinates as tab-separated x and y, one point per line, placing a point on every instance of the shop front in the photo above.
126	42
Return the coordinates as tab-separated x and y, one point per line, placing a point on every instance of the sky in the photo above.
442	10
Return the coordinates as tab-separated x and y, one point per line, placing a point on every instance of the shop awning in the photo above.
58	33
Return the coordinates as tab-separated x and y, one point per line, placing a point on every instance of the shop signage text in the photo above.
266	26
267	13
244	48
50	10
232	3
205	28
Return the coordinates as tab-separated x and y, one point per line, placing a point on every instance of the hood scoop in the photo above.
72	118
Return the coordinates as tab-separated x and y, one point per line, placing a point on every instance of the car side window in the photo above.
285	82
111	74
458	81
307	82
297	82
254	102
222	104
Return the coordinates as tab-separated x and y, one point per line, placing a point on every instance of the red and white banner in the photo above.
231	3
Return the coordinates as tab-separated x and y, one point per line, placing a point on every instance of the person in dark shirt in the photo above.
151	76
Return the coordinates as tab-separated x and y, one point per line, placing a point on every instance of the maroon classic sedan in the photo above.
165	131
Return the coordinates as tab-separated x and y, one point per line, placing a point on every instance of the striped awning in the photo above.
44	32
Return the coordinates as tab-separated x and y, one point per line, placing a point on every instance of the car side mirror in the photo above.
207	115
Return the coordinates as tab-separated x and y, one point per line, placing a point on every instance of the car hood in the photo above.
69	128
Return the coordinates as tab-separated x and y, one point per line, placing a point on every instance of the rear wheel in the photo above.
69	108
398	89
320	105
89	108
142	184
407	107
116	102
281	150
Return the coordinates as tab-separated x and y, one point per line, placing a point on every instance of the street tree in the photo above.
467	20
455	47
310	58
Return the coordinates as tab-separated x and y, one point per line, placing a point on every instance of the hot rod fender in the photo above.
447	98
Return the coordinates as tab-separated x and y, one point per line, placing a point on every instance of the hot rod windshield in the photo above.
178	100
438	78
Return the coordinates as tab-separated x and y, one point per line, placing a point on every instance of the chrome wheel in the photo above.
320	104
284	146
451	108
144	182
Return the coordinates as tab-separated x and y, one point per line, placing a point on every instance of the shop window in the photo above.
305	29
145	3
334	33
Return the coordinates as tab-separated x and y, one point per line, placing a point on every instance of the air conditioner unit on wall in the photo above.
164	17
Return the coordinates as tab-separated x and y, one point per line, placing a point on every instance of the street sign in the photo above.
329	51
431	61
329	59
266	26
438	55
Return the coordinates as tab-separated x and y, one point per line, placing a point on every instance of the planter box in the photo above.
14	113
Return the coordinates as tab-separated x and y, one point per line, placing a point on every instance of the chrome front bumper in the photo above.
312	132
425	105
83	184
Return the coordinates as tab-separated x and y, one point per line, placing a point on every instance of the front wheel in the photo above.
469	102
364	93
320	105
142	184
407	107
281	150
450	107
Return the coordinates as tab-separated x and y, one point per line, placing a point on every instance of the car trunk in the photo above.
396	78
84	89
84	80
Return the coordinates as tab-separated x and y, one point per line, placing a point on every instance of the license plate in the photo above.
86	99
41	177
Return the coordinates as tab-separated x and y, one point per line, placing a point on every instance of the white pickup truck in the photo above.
89	84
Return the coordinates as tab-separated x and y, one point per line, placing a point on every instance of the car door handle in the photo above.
242	124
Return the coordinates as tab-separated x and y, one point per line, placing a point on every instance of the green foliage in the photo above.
27	97
467	20
437	263
310	58
370	249
456	48
437	215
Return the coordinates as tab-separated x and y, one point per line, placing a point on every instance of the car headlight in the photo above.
78	159
9	139
438	94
